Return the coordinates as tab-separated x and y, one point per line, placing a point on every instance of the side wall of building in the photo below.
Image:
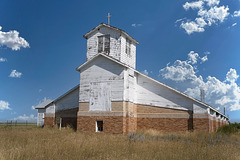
49	117
152	93
40	118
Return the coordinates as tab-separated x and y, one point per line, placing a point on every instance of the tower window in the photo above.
128	47
104	44
99	126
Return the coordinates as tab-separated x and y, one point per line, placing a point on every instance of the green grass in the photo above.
40	143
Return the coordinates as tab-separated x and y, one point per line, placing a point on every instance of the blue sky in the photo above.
189	45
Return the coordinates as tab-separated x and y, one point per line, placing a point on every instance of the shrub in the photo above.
230	129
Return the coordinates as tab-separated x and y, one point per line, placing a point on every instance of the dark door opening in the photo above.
99	126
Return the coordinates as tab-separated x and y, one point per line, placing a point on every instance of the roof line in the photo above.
112	27
74	88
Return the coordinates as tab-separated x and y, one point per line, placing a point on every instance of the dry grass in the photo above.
37	143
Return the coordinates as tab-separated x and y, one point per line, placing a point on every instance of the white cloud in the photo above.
201	22
208	13
193	5
191	27
33	107
234	24
179	20
24	117
3	59
4	105
192	57
204	59
15	74
136	25
214	14
145	72
236	13
179	71
12	40
212	2
183	75
232	75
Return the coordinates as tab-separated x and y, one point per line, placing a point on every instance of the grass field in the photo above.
30	142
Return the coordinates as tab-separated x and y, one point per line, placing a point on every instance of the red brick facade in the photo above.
49	121
127	117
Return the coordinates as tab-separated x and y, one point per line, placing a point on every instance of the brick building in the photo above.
113	97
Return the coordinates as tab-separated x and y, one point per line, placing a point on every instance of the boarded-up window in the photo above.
100	44
128	47
104	44
100	96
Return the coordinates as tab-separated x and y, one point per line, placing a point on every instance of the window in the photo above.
128	47
99	126
104	44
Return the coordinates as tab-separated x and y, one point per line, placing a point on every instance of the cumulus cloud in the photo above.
4	105
214	14
193	5
232	76
236	13
212	2
179	71
183	75
208	13
191	27
3	59
12	40
15	74
24	117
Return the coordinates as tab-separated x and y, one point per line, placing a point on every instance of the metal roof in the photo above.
44	104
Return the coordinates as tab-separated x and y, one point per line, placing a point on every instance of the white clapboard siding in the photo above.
129	60
115	42
129	85
152	93
68	101
102	70
40	119
50	108
117	46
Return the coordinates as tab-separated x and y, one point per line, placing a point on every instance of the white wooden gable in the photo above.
113	42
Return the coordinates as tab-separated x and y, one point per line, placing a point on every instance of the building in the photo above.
116	98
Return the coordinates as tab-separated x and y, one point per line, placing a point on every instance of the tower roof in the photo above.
111	27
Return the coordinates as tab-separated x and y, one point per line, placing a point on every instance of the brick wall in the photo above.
163	124
201	124
49	121
111	124
127	117
163	119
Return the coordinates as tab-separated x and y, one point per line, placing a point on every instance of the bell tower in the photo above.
112	41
